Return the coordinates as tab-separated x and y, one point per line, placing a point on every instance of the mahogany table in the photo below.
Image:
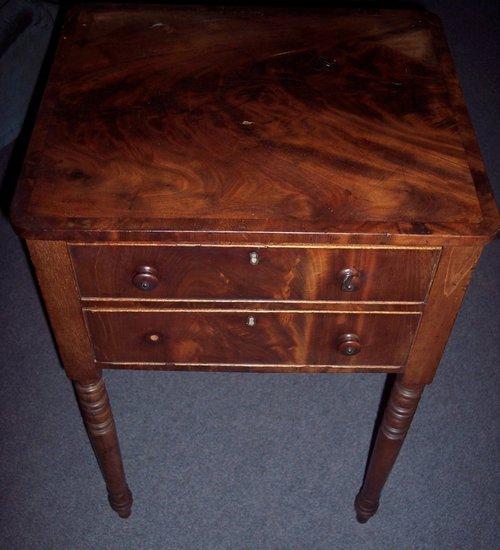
262	190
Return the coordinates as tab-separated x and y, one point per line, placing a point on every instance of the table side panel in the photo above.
60	295
450	283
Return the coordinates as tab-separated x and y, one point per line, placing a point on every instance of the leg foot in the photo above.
395	423
98	418
364	508
121	503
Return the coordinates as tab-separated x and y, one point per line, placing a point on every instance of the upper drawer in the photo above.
253	273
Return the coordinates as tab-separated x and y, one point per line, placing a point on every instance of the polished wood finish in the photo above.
55	276
280	368
253	189
60	294
145	278
254	305
395	423
251	120
448	289
226	337
349	344
98	418
291	273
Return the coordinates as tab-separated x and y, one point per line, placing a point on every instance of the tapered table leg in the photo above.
395	423
98	418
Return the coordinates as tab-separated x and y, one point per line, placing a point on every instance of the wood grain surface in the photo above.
235	161
54	273
396	421
226	337
218	272
98	418
450	283
236	119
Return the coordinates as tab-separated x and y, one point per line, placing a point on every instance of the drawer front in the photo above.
212	272
257	338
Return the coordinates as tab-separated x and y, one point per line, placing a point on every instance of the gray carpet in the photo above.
237	461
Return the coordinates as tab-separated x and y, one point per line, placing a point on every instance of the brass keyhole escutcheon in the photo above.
254	258
251	321
350	279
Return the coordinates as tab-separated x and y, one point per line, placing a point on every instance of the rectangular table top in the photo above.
252	120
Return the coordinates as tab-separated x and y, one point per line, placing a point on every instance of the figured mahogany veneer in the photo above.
277	273
251	120
194	337
252	189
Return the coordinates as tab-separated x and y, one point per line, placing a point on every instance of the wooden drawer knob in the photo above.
145	278
350	279
348	344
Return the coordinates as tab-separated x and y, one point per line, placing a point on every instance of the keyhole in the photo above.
254	258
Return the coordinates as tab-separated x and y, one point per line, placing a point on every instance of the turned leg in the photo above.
395	423
98	418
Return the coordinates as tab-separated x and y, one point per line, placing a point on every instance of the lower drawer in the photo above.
251	338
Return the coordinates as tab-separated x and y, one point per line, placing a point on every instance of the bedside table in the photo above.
262	190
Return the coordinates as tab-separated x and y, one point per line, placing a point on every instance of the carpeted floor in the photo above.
237	461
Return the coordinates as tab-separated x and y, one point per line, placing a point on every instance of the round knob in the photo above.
145	278
348	344
350	279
